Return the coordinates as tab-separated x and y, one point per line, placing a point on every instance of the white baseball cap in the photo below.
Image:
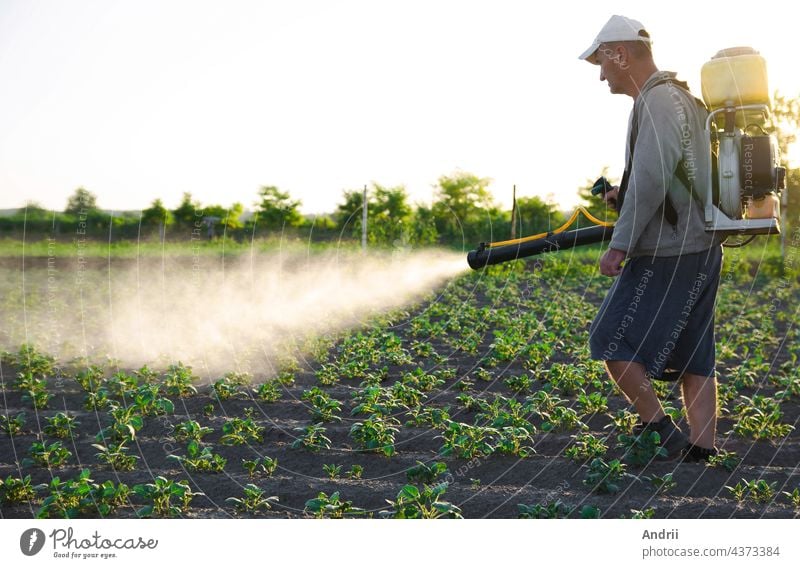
617	28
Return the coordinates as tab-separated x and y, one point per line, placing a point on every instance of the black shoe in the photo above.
672	439
693	454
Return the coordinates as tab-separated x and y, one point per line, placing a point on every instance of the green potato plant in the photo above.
98	400
30	360
376	433
759	418
467	441
122	384
592	403
200	459
62	425
585	447
313	438
423	473
116	456
179	380
562	419
47	455
332	470
149	402
323	407
34	391
605	477
355	471
82	497
191	430
241	431
642	449
253	500
126	423
648	513
164	497
225	389
554	510
759	491
793	497
265	465
325	507
413	503
513	440
428	416
519	383
724	459
268	391
12	426
662	484
92	379
15	490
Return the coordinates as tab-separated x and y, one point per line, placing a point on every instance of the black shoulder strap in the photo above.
670	214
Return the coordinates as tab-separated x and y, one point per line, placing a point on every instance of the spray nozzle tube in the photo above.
483	256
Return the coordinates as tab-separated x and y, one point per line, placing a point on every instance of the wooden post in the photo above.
364	221
514	212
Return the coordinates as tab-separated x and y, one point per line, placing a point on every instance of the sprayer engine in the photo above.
746	176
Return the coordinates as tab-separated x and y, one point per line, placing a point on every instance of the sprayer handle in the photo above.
601	186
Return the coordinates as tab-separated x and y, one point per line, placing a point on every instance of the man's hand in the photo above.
611	262
610	197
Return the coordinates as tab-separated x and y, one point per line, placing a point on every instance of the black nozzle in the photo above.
601	186
568	239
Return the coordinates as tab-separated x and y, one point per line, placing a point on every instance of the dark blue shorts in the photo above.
660	312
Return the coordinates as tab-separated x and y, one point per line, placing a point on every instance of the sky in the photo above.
135	100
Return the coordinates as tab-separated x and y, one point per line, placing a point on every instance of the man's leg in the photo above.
632	380
700	401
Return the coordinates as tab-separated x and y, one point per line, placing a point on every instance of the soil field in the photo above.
488	375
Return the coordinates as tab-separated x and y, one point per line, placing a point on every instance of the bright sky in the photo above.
142	99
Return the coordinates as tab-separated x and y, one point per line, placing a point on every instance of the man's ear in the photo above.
623	56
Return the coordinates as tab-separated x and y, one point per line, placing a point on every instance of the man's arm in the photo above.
657	153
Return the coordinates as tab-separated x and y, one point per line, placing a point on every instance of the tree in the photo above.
186	213
277	209
388	214
157	216
229	217
463	207
534	216
785	123
81	202
34	210
391	215
423	226
348	214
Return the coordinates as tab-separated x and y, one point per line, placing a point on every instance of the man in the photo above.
657	319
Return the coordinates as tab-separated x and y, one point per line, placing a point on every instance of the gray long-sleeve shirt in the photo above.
670	129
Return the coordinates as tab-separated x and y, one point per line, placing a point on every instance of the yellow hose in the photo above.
561	229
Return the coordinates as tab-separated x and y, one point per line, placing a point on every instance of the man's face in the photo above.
613	67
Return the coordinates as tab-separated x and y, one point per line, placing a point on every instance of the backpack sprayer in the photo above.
745	178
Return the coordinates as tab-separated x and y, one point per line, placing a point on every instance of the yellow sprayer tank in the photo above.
737	75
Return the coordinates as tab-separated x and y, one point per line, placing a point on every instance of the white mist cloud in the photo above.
212	314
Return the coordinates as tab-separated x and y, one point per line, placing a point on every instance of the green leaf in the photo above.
146	511
410	492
